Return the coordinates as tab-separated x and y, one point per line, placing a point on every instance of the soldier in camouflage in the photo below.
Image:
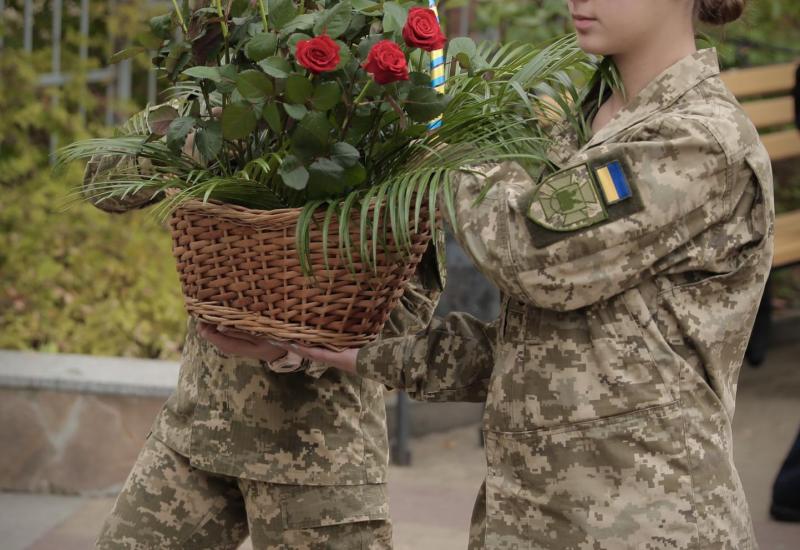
630	276
293	454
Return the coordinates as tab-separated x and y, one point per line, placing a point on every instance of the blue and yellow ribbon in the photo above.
437	71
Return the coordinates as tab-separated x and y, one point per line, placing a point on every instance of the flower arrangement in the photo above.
326	107
325	104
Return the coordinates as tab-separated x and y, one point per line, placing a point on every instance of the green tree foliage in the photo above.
72	278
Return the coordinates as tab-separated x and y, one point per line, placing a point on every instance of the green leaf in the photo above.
238	120
204	73
424	103
280	12
161	25
334	21
254	85
293	173
394	17
261	46
355	175
303	22
326	96
275	66
209	140
463	49
366	6
227	81
419	79
345	154
298	88
344	54
160	118
272	115
177	132
127	53
312	135
297	112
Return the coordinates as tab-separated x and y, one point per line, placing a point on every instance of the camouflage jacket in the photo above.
631	278
236	417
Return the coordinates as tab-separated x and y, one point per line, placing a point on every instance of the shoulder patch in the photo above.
581	197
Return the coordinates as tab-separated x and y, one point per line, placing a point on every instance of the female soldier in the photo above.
631	277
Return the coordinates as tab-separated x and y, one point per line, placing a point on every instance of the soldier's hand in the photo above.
342	360
241	344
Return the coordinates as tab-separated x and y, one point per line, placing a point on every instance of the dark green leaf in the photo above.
344	54
394	17
355	175
254	85
311	137
326	96
177	132
238	120
227	81
275	66
334	21
297	112
261	46
272	115
209	140
293	173
280	12
204	73
424	104
366	6
300	23
419	79
345	154
298	88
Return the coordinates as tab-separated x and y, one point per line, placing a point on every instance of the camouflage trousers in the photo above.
168	504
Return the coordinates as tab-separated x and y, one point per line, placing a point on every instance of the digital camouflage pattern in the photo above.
168	505
316	433
611	373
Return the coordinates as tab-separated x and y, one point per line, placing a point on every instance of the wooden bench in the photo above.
767	94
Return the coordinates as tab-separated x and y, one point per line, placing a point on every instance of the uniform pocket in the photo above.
310	507
607	484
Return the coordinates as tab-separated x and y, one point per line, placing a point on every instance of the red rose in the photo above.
319	54
386	62
422	30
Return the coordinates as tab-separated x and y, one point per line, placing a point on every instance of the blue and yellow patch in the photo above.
613	183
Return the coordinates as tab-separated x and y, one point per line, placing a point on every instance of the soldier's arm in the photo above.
451	360
548	246
102	168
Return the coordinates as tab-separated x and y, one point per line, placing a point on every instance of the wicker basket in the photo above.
240	268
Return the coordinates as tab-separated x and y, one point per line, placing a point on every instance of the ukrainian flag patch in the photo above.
613	183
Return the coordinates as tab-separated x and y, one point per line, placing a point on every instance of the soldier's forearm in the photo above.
451	360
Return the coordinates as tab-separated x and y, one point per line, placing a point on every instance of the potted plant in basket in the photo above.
304	146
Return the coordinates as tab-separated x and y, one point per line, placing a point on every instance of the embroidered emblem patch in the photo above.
581	197
567	202
613	183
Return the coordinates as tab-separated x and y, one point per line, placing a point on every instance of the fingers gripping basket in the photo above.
240	268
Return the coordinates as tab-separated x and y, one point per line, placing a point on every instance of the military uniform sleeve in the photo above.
102	169
451	360
618	214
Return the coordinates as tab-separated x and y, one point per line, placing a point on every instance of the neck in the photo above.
641	65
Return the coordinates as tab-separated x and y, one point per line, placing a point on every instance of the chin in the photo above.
593	44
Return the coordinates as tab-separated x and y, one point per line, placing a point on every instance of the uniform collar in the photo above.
662	92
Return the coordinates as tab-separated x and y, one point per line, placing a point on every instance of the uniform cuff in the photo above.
384	361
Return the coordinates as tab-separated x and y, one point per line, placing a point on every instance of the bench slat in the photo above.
787	239
771	79
782	145
770	112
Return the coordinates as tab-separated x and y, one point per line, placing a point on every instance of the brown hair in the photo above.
719	12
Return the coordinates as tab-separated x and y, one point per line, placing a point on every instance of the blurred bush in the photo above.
72	278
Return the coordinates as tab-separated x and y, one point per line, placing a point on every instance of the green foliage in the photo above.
73	280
